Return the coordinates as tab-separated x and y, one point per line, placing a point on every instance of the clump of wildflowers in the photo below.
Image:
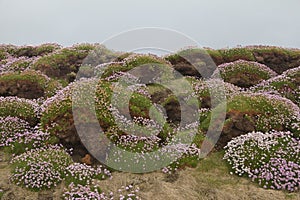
286	85
41	168
83	192
83	174
17	136
271	159
14	84
24	109
245	73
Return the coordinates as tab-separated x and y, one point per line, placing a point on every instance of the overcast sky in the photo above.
212	23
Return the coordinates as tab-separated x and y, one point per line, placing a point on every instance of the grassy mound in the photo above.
62	63
16	136
34	51
233	54
28	84
270	159
24	109
245	73
276	58
248	112
117	69
192	62
40	169
286	85
57	117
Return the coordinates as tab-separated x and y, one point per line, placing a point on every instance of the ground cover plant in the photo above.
271	159
245	73
40	145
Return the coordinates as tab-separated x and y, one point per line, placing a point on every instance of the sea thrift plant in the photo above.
286	85
271	159
84	192
16	136
245	73
12	64
82	174
41	168
263	112
35	84
24	109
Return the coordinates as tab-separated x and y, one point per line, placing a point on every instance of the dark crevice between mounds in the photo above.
237	123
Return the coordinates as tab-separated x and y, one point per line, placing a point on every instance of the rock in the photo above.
87	159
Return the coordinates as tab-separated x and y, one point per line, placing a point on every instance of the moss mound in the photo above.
247	112
192	62
277	58
40	169
286	85
114	70
57	114
233	54
24	109
33	51
245	73
28	84
60	64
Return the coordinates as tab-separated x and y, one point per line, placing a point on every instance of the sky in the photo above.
212	23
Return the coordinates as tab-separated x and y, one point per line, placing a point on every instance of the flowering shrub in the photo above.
41	168
24	109
82	174
27	84
286	85
271	159
245	73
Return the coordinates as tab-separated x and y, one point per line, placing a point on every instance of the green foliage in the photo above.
131	63
230	55
40	169
61	63
29	77
32	51
21	108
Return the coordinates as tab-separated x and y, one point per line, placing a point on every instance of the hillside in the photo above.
91	123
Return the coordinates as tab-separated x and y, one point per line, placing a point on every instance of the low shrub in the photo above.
20	64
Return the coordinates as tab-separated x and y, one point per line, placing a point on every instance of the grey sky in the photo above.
212	23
